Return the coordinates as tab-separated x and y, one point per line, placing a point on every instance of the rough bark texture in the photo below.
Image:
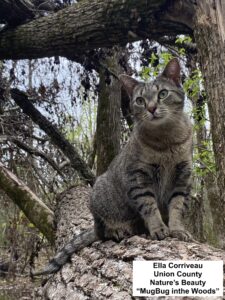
108	115
206	185
104	270
210	37
56	137
89	25
34	209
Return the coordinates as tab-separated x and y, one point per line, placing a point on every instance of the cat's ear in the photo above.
128	83
172	71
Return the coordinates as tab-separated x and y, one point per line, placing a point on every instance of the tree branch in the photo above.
32	151
56	137
171	41
108	264
89	25
33	208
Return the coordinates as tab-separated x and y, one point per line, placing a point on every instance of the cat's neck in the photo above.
164	136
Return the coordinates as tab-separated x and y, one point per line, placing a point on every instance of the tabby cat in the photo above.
147	186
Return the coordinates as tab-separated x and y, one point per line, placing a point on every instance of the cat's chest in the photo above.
162	167
166	160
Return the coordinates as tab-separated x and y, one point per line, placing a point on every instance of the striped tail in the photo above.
78	242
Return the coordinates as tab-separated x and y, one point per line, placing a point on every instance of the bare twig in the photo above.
35	152
56	137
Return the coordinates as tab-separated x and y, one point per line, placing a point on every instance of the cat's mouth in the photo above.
155	116
152	117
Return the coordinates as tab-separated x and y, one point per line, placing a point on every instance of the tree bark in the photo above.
204	183
209	33
56	137
33	208
104	270
108	114
89	25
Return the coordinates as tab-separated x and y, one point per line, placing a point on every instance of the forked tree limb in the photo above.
55	135
33	208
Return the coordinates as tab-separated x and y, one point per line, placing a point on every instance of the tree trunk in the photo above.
210	37
33	208
90	25
104	270
108	115
204	178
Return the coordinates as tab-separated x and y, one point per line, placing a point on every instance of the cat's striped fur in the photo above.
147	186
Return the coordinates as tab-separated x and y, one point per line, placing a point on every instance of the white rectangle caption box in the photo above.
177	278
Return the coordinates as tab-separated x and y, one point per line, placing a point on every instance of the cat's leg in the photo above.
179	200
141	195
176	216
145	204
109	230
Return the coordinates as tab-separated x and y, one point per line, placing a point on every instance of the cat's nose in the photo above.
152	108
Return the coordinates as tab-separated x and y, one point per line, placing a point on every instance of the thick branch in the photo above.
104	270
34	209
89	25
57	138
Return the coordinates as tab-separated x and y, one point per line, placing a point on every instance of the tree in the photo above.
134	21
210	31
77	31
108	116
104	270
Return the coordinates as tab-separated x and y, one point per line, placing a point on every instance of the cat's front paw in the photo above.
159	233
181	234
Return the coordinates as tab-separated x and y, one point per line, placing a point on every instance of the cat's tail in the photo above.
78	242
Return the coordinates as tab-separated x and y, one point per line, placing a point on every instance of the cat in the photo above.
146	187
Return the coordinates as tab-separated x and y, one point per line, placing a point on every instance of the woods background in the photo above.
64	117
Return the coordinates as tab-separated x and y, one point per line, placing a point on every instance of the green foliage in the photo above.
154	69
181	40
204	161
193	85
82	135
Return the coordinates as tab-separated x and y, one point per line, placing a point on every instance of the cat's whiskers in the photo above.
172	117
139	122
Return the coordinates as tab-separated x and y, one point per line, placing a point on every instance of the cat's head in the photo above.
159	101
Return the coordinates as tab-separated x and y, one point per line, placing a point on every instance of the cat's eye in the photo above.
163	94
140	101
